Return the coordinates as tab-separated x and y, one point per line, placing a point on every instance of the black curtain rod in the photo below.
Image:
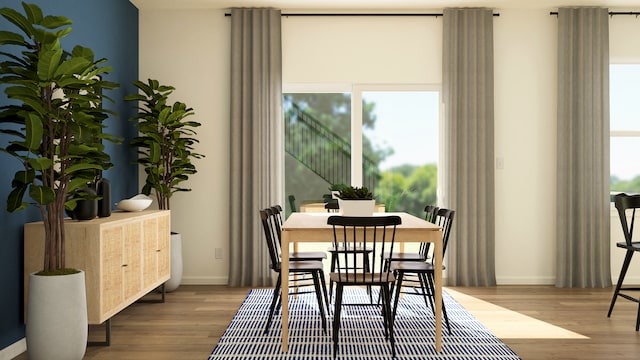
611	13
362	14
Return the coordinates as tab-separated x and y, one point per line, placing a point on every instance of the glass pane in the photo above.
317	144
625	170
624	89
400	148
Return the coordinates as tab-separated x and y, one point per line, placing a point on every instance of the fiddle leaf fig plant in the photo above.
165	145
54	119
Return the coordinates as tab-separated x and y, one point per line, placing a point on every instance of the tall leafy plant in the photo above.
55	119
165	145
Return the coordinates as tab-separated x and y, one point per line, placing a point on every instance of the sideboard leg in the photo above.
107	341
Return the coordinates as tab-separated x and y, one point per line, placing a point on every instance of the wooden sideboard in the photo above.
124	256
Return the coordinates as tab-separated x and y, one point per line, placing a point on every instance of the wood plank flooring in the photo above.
537	322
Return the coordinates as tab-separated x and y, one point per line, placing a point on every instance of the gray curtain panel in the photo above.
256	139
467	66
583	210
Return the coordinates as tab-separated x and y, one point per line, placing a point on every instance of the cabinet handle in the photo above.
125	265
158	250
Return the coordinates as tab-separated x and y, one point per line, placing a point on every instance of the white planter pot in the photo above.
176	263
356	207
57	317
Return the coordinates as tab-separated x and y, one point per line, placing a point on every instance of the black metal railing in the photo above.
322	151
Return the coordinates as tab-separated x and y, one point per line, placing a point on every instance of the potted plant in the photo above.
55	119
165	151
356	201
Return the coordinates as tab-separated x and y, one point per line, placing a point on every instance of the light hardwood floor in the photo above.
537	322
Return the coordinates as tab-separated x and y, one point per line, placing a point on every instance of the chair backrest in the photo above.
623	203
277	221
430	212
444	219
374	232
332	206
292	203
273	244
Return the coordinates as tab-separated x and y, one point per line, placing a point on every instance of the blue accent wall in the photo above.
110	28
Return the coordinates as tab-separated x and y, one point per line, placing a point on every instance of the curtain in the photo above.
583	210
256	140
467	68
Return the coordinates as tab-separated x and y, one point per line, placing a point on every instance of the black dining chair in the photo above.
422	282
278	220
625	203
361	251
377	232
423	252
304	272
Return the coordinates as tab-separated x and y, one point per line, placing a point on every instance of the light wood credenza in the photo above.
124	257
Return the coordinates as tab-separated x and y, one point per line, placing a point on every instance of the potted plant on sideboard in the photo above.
55	119
165	151
356	201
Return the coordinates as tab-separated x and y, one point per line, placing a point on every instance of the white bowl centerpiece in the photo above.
136	203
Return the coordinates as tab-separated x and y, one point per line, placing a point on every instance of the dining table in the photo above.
303	227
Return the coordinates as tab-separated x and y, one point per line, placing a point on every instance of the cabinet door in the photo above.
150	253
164	247
132	261
112	273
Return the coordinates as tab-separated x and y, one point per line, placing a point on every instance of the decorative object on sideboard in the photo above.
136	203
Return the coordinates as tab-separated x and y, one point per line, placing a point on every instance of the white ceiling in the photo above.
377	5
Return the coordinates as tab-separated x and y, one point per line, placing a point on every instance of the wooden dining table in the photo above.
312	227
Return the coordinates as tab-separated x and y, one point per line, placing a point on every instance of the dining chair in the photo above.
422	281
624	202
378	232
423	251
303	272
362	251
292	203
278	220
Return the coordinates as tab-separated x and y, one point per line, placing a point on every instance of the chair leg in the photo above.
426	285
336	318
274	300
444	308
324	292
398	286
334	260
623	273
319	297
638	317
386	300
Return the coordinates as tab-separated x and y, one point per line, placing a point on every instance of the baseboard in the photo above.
204	280
13	350
505	280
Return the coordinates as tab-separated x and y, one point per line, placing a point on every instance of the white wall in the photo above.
190	50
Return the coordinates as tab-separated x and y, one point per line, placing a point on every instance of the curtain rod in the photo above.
611	13
362	14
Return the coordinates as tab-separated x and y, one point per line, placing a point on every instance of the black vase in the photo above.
103	188
86	209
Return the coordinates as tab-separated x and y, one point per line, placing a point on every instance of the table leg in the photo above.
284	273
437	269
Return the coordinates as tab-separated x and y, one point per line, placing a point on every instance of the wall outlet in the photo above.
219	253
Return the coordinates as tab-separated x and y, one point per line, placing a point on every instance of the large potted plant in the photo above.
165	151
54	117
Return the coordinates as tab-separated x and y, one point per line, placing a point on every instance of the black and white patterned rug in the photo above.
361	332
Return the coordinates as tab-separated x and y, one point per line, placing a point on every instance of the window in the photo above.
625	127
382	137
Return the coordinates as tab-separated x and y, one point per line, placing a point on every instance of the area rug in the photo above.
361	332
